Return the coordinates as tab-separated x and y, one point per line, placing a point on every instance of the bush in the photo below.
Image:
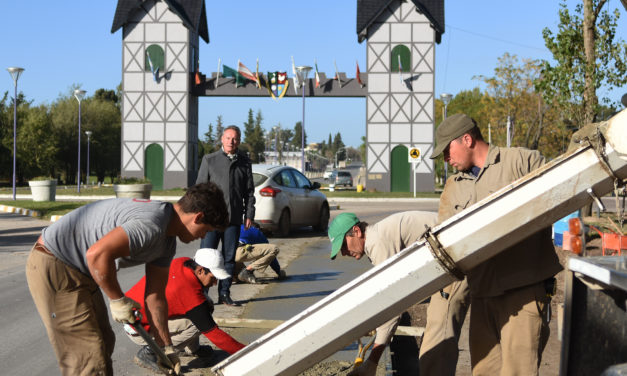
130	180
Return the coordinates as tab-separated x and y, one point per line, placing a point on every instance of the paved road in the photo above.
25	349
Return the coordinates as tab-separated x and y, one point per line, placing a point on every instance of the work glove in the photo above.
367	368
122	309
172	354
248	248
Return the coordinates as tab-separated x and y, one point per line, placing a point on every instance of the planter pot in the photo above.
133	190
43	190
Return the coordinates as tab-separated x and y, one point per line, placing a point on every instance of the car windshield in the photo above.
344	173
258	179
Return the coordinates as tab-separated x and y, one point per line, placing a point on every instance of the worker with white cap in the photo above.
189	310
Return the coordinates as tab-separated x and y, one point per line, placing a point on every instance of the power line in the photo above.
496	39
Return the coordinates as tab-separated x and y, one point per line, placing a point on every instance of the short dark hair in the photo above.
474	132
208	199
362	226
235	128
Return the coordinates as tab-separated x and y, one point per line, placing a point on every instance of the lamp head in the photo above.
15	73
79	94
446	98
303	72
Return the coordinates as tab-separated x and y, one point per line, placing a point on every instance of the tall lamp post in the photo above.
303	72
15	74
88	133
446	98
79	94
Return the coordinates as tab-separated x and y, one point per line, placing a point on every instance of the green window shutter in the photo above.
157	56
404	53
154	166
400	170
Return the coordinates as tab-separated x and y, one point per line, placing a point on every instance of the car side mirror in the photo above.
315	185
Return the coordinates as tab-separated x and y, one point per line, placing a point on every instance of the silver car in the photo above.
286	199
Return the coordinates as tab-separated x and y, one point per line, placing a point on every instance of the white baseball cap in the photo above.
212	259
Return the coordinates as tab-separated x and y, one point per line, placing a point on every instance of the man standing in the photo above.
255	248
231	170
378	242
189	311
77	256
510	293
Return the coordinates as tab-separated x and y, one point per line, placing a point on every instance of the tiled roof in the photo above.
191	12
369	10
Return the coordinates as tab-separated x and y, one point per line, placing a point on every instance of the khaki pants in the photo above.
445	318
74	313
183	333
508	332
261	255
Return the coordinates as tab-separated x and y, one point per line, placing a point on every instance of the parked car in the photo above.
344	178
328	173
286	199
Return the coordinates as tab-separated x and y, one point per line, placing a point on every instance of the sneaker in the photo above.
146	358
247	276
282	275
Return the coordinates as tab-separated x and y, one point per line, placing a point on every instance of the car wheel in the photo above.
323	220
284	223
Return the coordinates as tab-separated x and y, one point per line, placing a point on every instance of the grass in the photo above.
46	208
366	194
105	190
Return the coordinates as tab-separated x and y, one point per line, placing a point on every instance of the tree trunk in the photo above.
589	35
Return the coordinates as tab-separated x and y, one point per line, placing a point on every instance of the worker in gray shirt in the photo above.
231	170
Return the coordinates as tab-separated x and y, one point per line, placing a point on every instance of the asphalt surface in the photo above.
25	349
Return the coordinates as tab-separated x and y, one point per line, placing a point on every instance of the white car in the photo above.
328	173
286	199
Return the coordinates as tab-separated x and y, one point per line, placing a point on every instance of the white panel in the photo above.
423	32
133	106
155	32
423	83
172	162
400	108
178	82
401	33
133	131
422	57
422	108
175	106
154	131
134	33
378	82
379	33
177	32
177	57
413	15
378	57
155	107
400	132
378	157
426	166
132	55
151	84
378	108
133	81
175	131
169	16
378	133
398	86
422	132
132	156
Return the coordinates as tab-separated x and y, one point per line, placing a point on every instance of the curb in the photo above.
22	211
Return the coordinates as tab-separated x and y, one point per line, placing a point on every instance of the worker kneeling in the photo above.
189	310
255	248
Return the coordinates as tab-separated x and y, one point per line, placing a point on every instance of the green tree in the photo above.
255	137
37	144
249	125
296	140
219	131
588	56
207	144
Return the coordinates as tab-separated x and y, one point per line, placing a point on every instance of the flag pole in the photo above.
337	74
218	74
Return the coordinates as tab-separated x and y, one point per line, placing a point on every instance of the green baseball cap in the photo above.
451	128
338	229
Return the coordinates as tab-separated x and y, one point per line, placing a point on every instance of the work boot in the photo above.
226	299
146	358
281	275
247	276
203	352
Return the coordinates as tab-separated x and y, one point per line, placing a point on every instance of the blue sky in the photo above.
61	43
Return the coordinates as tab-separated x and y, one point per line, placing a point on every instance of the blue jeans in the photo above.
230	240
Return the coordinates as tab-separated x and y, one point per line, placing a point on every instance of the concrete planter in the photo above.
43	190
133	190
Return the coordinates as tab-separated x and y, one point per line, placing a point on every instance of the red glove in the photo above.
223	340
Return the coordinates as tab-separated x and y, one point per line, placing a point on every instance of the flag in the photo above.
337	75
218	74
155	72
245	72
357	75
197	78
400	68
317	75
296	78
257	75
230	72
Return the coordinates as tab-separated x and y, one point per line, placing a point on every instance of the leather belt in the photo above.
41	248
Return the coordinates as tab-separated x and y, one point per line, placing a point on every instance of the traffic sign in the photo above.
414	155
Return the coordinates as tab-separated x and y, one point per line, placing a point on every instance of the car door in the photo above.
308	203
288	185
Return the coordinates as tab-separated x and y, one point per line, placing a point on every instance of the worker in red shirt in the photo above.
189	310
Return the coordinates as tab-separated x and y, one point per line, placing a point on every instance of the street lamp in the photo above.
88	133
303	72
79	94
446	98
15	74
336	153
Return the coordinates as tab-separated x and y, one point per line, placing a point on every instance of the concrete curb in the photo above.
22	211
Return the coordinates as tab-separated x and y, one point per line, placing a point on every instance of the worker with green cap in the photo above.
352	237
509	293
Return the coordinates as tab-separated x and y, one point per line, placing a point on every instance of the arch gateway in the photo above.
160	51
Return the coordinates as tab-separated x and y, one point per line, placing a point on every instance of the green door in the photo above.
154	166
400	169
